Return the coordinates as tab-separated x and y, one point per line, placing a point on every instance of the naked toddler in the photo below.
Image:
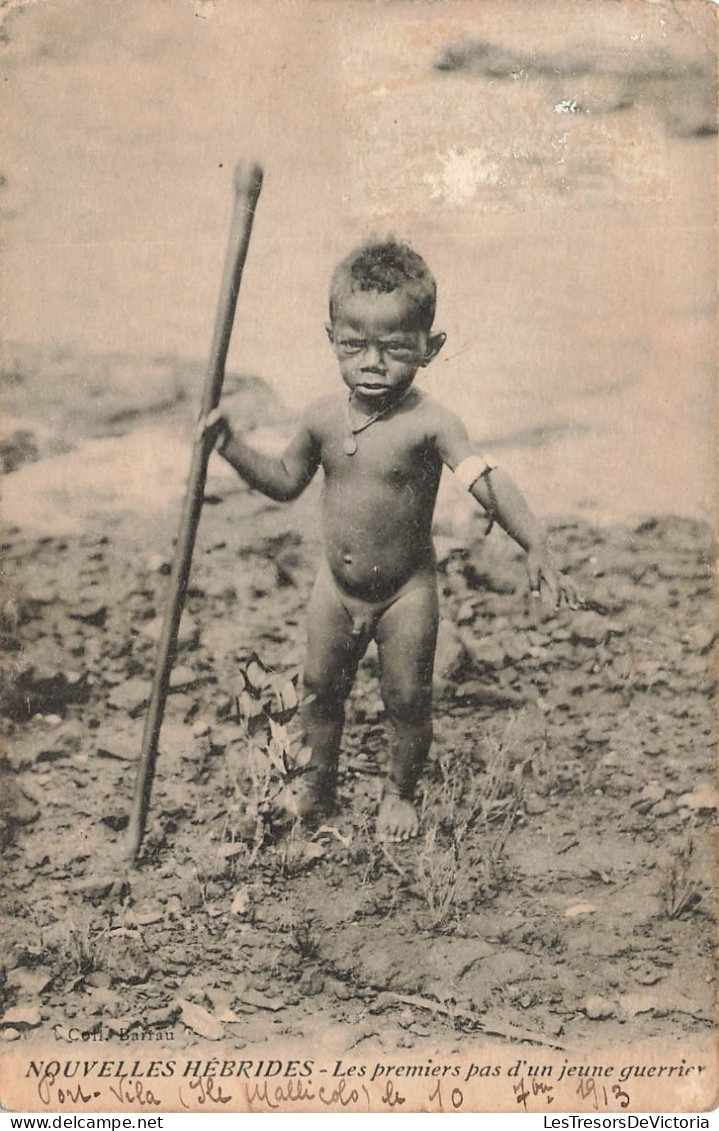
382	448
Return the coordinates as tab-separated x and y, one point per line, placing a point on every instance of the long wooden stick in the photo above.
248	182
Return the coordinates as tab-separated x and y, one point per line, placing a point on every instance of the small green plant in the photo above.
267	710
296	853
681	891
81	941
305	940
468	817
206	867
443	879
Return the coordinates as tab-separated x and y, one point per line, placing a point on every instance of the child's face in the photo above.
378	344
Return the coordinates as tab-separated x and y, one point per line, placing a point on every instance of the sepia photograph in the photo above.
357	599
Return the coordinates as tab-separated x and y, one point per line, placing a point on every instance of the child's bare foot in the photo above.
397	818
308	799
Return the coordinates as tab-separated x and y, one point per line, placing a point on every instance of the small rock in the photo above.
176	739
260	1001
187	634
22	1017
99	978
589	628
229	1017
163	1017
224	705
93	613
220	587
652	793
700	638
614	628
484	651
649	976
118	1025
97	886
16	806
158	564
702	799
105	999
241	902
200	1021
535	805
131	696
182	676
312	983
201	728
480	692
382	1002
31	981
146	918
579	909
653	749
664	808
596	735
220	998
515	647
339	989
9	1035
42	594
465	614
632	1004
450	654
446	547
122	748
598	1008
180	705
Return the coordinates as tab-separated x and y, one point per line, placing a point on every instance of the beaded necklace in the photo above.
349	446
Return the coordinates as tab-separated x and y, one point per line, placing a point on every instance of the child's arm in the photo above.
506	505
280	477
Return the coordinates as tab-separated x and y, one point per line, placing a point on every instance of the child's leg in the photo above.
333	653
406	638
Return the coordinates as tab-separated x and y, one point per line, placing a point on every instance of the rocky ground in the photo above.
562	888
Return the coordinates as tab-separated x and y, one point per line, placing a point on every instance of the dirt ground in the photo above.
562	887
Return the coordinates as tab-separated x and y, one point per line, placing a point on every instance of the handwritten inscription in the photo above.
275	1096
342	1086
50	1092
134	1093
207	1091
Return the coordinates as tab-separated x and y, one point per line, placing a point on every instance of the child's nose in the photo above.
373	357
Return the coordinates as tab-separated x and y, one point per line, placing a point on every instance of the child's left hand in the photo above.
541	569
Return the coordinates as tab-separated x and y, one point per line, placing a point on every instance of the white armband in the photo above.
470	469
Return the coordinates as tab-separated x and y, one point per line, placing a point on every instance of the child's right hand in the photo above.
214	425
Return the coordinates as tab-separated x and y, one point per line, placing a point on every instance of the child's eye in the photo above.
398	351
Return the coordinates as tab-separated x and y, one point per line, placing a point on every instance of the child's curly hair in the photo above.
383	266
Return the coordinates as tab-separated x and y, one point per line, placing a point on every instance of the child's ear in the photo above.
434	345
328	332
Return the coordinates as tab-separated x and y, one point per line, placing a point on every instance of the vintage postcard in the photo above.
430	826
